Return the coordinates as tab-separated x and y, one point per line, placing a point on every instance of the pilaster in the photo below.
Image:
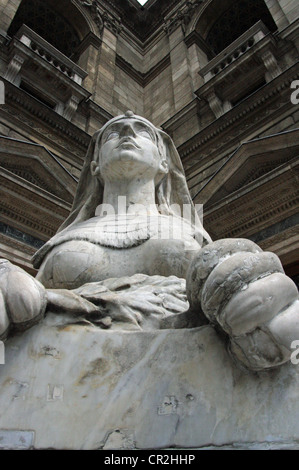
106	66
181	78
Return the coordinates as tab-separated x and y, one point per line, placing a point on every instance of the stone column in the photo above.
198	53
8	9
181	77
197	60
89	52
104	83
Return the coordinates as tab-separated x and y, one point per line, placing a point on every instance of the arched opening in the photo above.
235	20
48	22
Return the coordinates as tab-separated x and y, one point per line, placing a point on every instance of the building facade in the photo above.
220	76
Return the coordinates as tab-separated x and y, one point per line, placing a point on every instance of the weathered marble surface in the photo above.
68	384
79	387
134	240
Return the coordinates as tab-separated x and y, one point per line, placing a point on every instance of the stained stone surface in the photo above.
73	386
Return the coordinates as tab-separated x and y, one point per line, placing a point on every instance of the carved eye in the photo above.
112	135
145	133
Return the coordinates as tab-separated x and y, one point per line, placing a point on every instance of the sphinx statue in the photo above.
139	331
133	254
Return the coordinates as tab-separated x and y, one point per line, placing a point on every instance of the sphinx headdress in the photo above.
172	192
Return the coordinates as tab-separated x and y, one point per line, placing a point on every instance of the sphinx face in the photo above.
129	150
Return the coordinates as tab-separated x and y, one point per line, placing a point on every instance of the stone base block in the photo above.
68	386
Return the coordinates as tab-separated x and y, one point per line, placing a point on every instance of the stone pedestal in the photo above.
72	386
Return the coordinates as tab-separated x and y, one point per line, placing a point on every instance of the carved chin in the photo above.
128	164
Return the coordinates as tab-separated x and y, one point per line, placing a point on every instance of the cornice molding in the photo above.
17	244
221	183
195	38
33	165
129	70
175	121
90	40
236	215
143	79
248	227
25	220
282	243
20	188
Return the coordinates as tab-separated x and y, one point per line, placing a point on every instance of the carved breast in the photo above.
93	252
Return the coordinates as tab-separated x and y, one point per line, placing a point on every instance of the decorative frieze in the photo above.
28	240
25	172
224	226
16	244
10	212
255	188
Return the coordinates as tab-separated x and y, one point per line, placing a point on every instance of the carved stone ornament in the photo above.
102	19
136	314
182	16
95	13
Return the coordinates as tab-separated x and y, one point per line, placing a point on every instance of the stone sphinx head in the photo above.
129	146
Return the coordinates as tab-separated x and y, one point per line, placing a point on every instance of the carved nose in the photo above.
127	130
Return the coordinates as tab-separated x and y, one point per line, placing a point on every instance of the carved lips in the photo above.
128	142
